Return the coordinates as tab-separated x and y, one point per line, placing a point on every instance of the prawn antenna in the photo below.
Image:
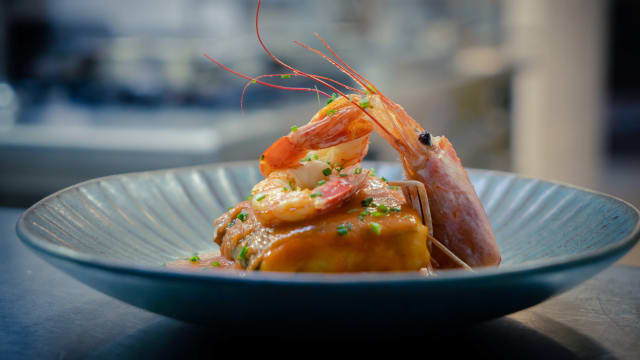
283	76
313	77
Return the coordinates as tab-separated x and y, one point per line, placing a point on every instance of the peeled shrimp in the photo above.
312	169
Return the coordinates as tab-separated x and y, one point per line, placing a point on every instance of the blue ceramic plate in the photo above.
113	233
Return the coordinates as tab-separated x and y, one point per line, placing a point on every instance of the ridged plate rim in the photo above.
535	267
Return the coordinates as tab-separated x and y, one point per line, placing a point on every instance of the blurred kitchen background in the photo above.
546	88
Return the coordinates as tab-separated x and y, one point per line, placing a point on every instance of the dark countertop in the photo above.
44	314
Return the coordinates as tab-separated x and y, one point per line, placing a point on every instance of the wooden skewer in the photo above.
416	195
450	254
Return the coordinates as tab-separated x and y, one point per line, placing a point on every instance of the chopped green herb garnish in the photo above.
291	185
338	168
357	171
364	213
243	216
343	175
229	208
215	264
243	253
261	197
383	208
253	81
364	103
316	194
375	227
284	189
396	209
285	76
366	202
322	182
249	197
342	230
377	214
333	97
261	157
384	179
294	128
331	112
194	258
326	172
315	156
372	172
353	210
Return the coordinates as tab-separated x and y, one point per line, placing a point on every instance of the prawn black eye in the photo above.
425	138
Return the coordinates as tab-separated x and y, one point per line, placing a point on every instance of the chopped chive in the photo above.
322	182
315	156
194	258
366	202
326	172
261	157
291	185
243	216
357	171
331	112
384	179
396	209
377	214
305	159
243	252
317	96
364	213
316	194
284	188
364	103
338	168
343	175
253	81
286	76
261	197
332	98
329	163
383	208
229	208
372	172
294	128
353	211
342	230
375	227
249	197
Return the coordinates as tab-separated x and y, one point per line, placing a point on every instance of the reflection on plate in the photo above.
114	233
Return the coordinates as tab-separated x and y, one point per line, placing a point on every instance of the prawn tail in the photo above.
282	154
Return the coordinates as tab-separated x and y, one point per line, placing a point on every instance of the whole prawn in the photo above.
459	220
